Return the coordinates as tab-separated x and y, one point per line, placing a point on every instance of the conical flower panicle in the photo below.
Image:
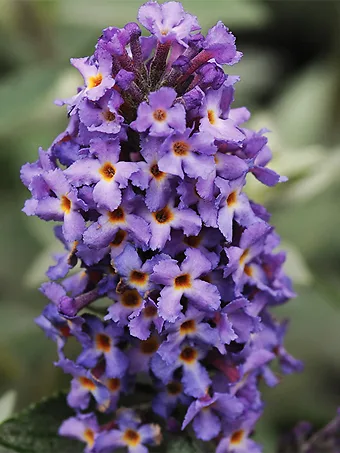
147	182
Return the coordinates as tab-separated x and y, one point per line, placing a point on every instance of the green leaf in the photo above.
36	429
7	403
177	444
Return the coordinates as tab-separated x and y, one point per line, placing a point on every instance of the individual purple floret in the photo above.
207	413
236	436
169	270
103	344
129	433
83	427
160	116
168	22
104	172
103	115
97	77
185	281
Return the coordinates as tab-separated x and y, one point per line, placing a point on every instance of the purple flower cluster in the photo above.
147	182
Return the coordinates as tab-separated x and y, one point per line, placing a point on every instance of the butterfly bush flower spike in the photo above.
147	186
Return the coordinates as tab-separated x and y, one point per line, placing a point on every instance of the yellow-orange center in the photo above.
94	81
188	327
71	257
149	346
65	204
67	137
109	116
276	350
236	437
180	148
113	384
174	388
117	216
183	281
248	270
131	437
131	298
206	278
107	171
94	276
244	256
119	238
163	216
188	355
138	278
192	241
89	437
87	383
211	117
150	311
65	331
156	173
232	199
160	115
103	342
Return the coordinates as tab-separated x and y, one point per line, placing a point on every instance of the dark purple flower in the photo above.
142	353
185	280
169	396
141	320
188	326
58	328
103	344
195	379
235	322
207	242
236	437
207	413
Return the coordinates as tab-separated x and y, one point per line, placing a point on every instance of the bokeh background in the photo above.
291	82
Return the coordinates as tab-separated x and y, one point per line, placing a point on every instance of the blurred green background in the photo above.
291	82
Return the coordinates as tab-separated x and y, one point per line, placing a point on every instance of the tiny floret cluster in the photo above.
169	270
